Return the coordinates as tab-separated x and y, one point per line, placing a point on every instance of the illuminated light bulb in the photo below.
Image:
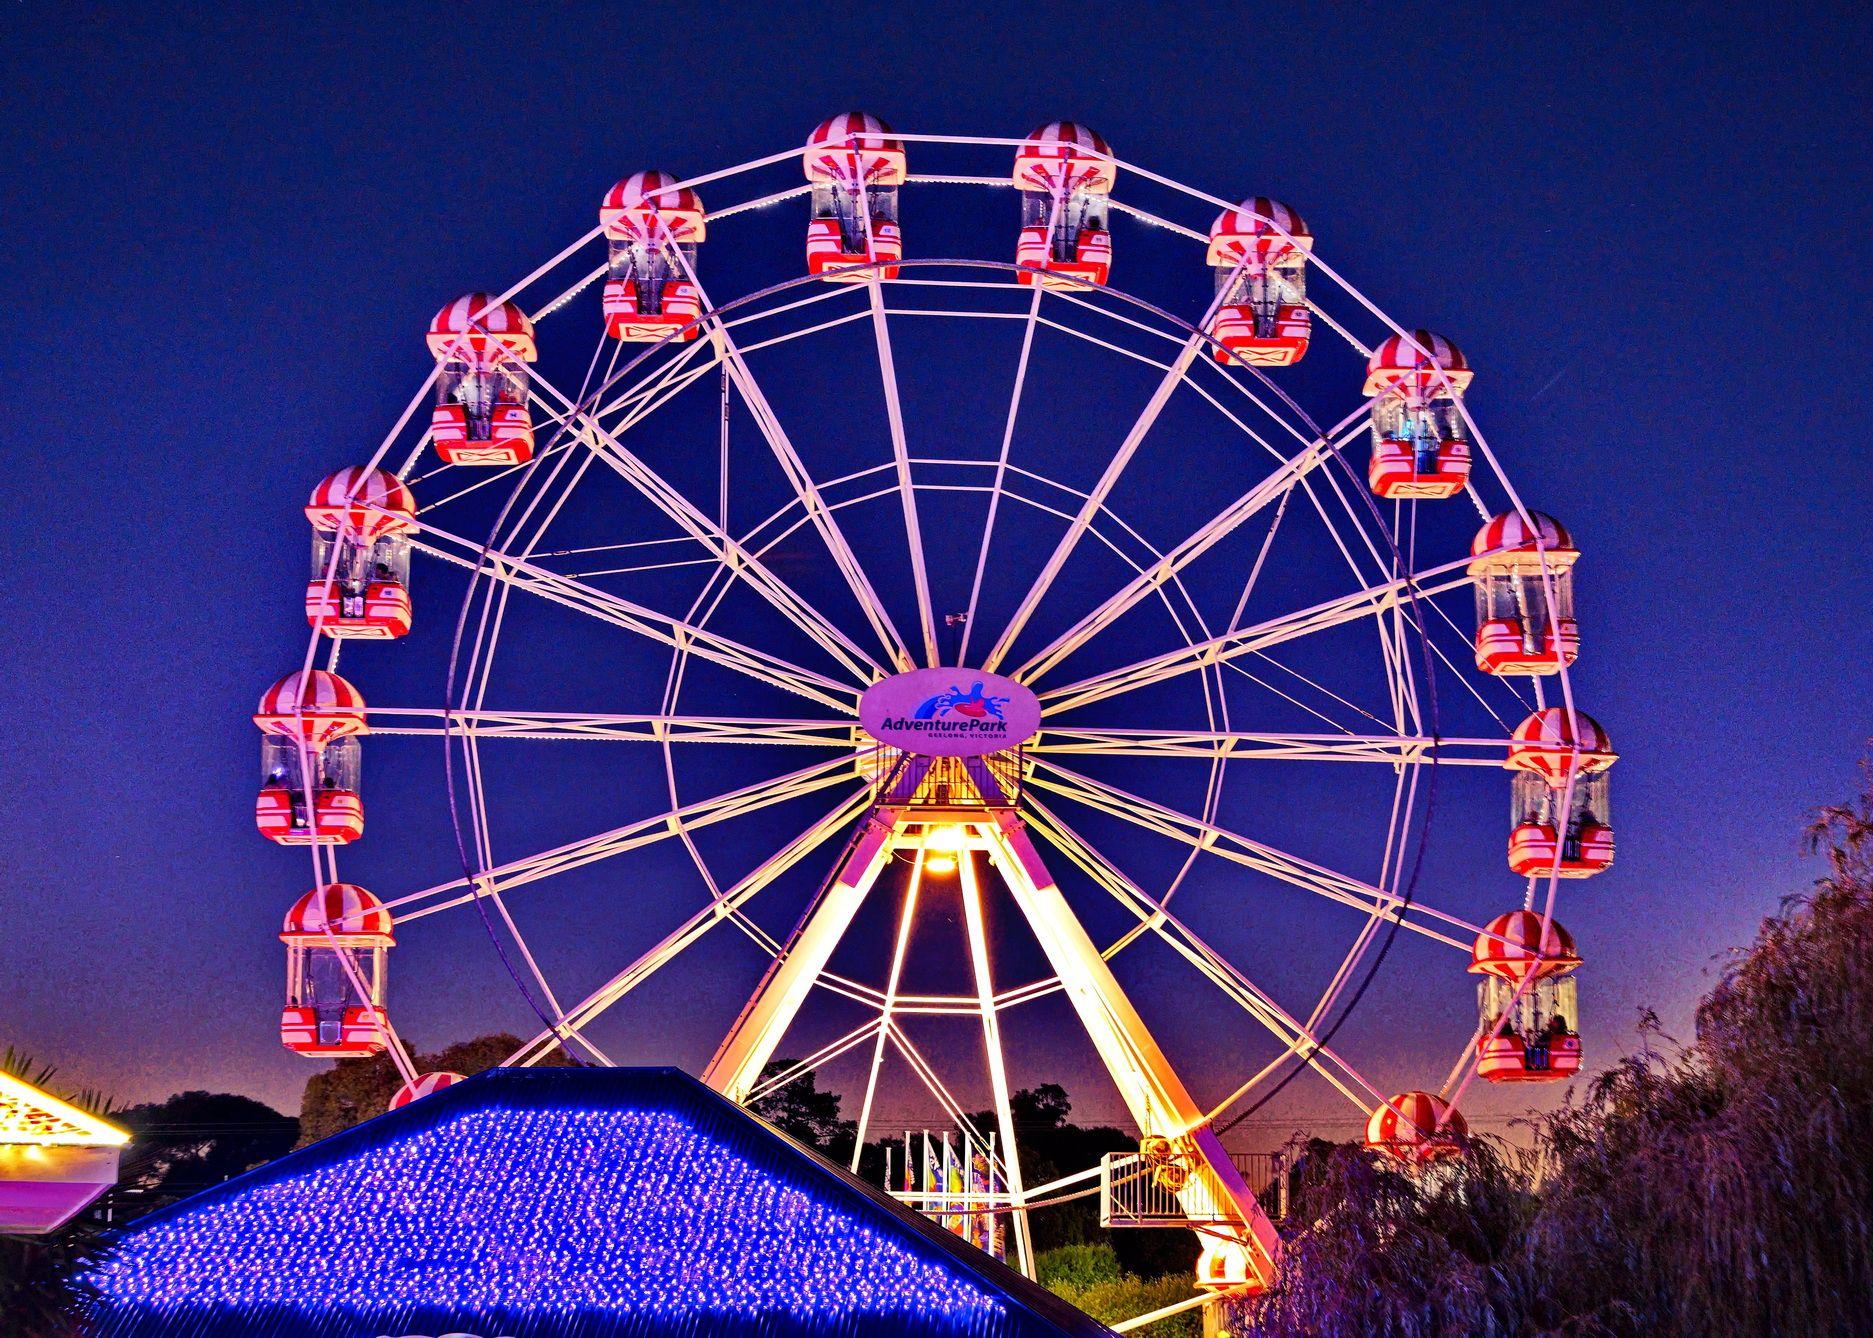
948	838
941	847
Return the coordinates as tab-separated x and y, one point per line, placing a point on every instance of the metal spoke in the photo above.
559	725
1095	501
1154	916
801	479
724	547
1394	750
900	452
1001	468
621	612
631	836
1374	600
1257	855
1265	493
907	916
821	1057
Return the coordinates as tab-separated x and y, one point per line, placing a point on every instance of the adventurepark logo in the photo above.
929	711
954	710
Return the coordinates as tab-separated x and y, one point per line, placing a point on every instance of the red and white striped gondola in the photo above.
369	503
1528	1029
427	1085
481	415
1416	1128
1555	743
1224	1263
1420	443
309	760
1259	252
336	938
1561	799
1518	944
652	227
362	590
317	706
1065	174
1524	578
855	165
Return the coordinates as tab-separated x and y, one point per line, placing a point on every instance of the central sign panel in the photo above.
949	712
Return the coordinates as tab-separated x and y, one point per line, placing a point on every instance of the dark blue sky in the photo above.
225	233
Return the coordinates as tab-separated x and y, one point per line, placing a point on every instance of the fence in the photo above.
1130	1196
987	782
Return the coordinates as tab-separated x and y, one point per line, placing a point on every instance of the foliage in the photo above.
1076	1266
804	1112
1089	1276
1730	1188
1390	1252
1053	1146
40	1291
809	1115
355	1090
194	1140
1720	1187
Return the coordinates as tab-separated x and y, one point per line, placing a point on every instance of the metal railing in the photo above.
987	782
1130	1196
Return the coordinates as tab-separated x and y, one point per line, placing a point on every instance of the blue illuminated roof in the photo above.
559	1201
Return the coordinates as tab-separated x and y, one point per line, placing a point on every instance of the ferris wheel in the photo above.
973	580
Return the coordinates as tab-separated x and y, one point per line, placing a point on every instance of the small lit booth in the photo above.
55	1158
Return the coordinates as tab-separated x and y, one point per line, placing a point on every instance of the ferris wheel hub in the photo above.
949	713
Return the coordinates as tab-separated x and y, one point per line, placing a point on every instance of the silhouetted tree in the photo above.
355	1090
1721	1187
803	1110
197	1139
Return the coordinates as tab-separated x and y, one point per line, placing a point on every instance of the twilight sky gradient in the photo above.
227	230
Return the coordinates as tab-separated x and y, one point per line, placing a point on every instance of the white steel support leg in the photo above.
748	1046
906	918
1152	1091
992	1047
